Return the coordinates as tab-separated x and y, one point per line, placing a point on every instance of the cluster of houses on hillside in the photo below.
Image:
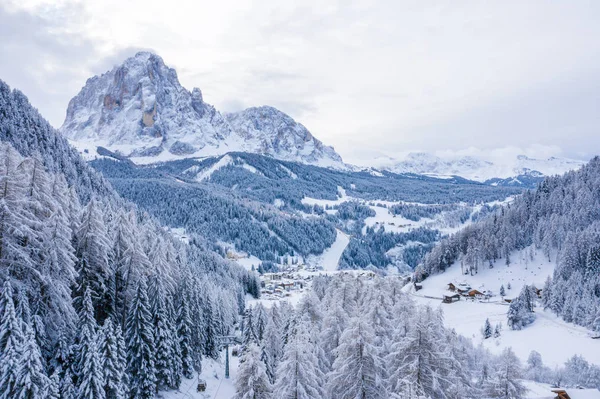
463	290
277	285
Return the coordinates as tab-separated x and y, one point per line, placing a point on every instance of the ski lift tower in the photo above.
225	341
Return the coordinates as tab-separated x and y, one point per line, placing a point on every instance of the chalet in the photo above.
451	298
575	393
463	289
451	287
476	294
287	285
418	286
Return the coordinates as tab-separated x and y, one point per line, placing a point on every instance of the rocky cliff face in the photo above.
140	110
269	131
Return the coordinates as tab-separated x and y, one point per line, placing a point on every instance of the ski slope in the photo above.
330	258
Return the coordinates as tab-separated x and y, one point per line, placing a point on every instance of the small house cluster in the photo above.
278	285
463	290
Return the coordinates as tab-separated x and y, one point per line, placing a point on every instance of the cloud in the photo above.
382	77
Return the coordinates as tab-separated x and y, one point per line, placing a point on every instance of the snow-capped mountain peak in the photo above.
268	131
475	168
140	110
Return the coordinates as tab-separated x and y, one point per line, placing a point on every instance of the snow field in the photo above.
552	337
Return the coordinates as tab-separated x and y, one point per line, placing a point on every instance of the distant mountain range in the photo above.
520	170
140	110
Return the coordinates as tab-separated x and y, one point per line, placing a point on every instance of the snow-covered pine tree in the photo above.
415	361
31	378
113	361
358	369
90	376
502	291
122	355
259	322
184	333
505	382
11	340
248	332
163	340
18	226
272	349
53	388
298	373
497	330
211	348
93	249
334	323
140	347
252	381
23	310
175	363
520	313
487	329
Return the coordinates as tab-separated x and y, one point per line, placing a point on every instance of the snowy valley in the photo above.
128	260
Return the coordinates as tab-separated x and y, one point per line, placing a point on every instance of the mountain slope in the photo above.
29	133
140	110
561	220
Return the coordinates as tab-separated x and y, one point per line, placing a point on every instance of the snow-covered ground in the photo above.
330	258
552	337
217	386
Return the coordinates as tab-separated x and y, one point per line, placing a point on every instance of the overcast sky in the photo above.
371	78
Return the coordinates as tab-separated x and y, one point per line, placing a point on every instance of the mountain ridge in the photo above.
482	170
140	110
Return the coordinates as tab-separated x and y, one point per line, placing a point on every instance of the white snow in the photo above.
248	262
476	168
552	337
289	172
330	258
217	386
221	163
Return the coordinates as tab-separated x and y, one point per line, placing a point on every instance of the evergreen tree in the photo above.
487	329
252	381
90	379
272	349
505	382
248	332
298	371
163	340
113	361
140	347
498	330
31	378
417	361
53	388
93	250
11	340
502	291
184	332
357	370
